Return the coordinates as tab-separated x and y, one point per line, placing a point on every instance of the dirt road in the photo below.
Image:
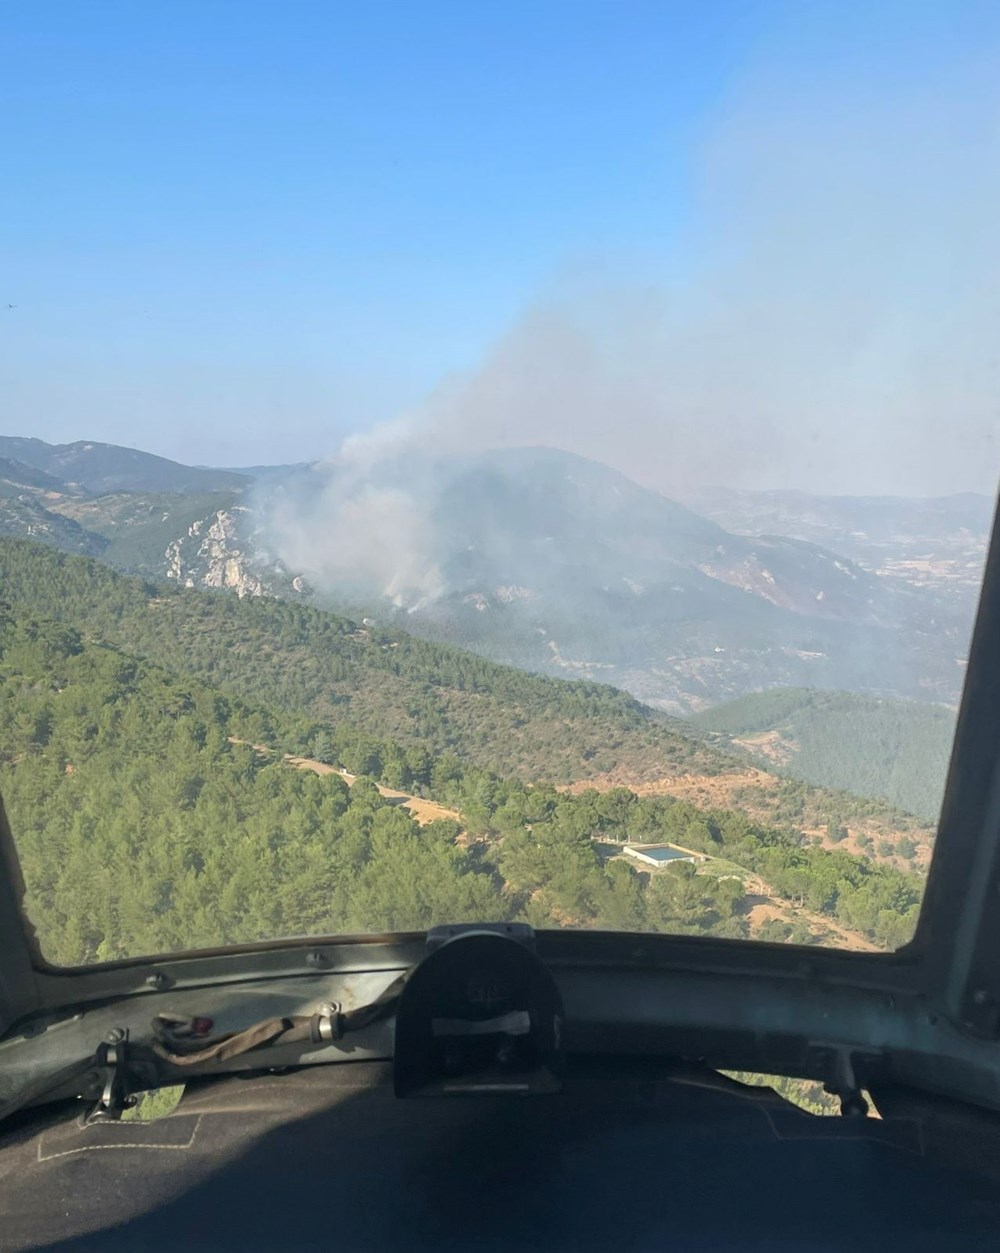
423	810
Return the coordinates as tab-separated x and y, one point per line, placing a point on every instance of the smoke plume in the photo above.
830	322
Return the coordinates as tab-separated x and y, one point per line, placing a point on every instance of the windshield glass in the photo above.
501	462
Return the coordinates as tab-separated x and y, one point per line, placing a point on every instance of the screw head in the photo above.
115	1035
315	958
157	980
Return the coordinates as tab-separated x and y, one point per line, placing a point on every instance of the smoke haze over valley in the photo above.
546	560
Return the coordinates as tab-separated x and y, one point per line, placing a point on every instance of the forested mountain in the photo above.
145	821
550	562
17	476
865	745
561	565
23	516
132	528
310	663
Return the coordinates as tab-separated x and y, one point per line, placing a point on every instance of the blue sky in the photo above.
235	231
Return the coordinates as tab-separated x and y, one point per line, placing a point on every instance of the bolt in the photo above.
315	958
157	980
115	1035
329	1008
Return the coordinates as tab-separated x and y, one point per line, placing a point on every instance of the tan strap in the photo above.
271	1031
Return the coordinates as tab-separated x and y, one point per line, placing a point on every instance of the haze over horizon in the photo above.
739	244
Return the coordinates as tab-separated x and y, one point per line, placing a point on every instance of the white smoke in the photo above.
831	324
338	526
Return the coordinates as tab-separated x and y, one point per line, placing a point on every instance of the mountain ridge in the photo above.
537	558
96	467
556	563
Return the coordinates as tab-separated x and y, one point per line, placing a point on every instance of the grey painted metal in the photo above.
19	955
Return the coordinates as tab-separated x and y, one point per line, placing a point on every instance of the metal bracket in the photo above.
112	1058
841	1064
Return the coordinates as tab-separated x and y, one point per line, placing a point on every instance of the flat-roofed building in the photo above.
661	854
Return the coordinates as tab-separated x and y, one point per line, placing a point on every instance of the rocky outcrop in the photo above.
216	553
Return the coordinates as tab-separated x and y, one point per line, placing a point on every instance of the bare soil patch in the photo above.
424	811
769	744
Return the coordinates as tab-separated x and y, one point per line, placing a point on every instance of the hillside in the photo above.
134	528
870	747
384	685
531	557
16	476
21	516
310	663
140	528
145	820
142	827
557	564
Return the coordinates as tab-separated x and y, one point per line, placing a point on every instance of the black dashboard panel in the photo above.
630	1156
481	1015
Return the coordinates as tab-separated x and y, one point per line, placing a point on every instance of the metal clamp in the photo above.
116	1097
328	1024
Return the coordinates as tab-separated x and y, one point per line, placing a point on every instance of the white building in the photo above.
661	854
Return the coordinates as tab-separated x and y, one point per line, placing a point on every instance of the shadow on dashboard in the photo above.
327	1158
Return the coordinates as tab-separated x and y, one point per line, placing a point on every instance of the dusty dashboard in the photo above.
608	1151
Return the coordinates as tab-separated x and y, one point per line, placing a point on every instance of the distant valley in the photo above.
933	542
